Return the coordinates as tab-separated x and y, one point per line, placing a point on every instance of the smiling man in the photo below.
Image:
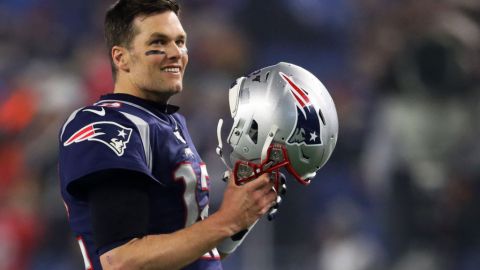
135	188
151	66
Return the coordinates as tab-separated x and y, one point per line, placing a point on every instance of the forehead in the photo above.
166	23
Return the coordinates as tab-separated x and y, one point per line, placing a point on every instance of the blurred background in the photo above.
401	190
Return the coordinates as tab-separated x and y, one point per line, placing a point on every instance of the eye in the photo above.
157	41
180	42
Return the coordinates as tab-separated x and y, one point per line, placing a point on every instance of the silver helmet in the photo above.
283	116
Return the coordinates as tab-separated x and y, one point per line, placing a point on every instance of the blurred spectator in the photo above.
423	136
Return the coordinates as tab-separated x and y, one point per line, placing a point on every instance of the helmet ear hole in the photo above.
253	132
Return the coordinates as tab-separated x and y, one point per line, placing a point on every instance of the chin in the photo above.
177	89
172	88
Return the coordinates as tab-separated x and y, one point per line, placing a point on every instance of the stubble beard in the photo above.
161	91
155	86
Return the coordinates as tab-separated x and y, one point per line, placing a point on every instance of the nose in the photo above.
173	51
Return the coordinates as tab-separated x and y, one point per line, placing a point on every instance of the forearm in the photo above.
169	251
241	207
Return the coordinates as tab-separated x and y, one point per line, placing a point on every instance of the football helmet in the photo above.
283	116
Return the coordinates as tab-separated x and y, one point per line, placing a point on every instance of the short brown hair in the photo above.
119	18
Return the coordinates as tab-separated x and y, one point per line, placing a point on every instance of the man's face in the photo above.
158	76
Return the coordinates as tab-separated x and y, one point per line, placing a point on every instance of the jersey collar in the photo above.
151	105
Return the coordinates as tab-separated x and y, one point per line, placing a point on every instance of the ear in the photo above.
120	58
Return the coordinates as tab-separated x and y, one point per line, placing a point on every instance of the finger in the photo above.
270	199
263	181
273	211
264	197
276	202
267	208
265	200
268	190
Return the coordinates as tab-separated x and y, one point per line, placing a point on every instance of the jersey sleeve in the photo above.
96	139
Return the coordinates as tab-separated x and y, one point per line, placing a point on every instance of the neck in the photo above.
123	86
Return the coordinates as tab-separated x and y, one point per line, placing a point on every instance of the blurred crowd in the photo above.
401	190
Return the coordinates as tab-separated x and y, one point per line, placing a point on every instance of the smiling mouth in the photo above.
171	69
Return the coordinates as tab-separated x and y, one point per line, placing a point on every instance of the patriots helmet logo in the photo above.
113	135
307	127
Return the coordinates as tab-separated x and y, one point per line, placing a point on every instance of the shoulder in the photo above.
93	121
96	138
180	119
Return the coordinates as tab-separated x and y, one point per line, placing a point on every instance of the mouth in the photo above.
171	69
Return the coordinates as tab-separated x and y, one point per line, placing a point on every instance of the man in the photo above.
135	188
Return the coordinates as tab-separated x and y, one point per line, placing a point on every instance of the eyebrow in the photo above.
163	36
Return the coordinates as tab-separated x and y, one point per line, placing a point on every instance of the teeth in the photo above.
171	69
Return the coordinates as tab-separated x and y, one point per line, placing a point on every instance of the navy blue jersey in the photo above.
125	132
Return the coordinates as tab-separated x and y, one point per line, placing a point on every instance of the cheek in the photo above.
145	72
152	62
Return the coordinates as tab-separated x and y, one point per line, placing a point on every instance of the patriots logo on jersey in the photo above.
307	128
113	135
